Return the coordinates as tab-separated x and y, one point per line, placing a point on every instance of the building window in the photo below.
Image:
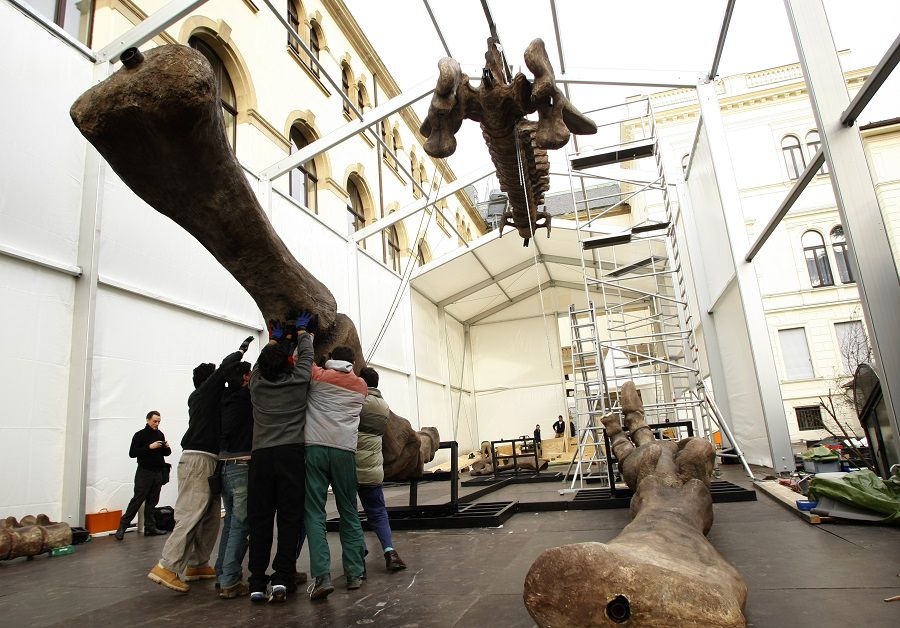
304	184
345	87
809	418
795	351
227	95
813	142
839	246
361	97
391	243
793	156
684	164
853	345
421	256
816	260
315	46
293	10
73	16
356	214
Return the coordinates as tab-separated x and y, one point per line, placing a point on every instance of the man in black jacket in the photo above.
150	447
197	509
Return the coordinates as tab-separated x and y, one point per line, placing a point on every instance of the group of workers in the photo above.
267	442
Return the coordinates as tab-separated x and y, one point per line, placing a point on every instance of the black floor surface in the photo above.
798	575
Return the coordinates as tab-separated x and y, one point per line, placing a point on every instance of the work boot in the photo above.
167	578
353	582
235	590
120	532
154	532
321	587
392	561
199	573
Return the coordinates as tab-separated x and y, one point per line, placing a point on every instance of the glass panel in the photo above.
853	345
795	354
793	156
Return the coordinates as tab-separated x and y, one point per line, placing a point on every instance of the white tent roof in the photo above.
495	278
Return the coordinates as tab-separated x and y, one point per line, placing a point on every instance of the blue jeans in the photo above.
372	498
236	527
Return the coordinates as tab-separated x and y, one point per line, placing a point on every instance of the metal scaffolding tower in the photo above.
643	328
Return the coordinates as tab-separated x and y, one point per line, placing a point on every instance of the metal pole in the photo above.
870	258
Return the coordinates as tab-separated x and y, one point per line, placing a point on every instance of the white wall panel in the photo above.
36	318
144	354
140	247
434	410
515	354
429	345
42	153
377	289
510	413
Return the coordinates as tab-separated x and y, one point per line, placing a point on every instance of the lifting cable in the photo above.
537	271
407	272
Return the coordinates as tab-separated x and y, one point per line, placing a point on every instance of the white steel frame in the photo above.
872	265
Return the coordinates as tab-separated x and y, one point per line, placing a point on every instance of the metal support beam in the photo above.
628	78
720	46
437	28
148	29
516	299
371	117
870	87
422	203
762	396
870	258
509	272
799	185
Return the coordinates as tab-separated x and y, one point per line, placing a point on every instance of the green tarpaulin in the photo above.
863	489
821	454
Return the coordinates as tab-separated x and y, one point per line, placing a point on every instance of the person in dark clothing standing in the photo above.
234	459
197	509
279	383
559	427
150	447
572	432
537	440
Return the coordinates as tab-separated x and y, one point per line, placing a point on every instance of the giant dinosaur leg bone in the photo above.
159	126
661	570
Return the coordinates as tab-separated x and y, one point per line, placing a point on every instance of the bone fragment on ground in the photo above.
661	570
159	126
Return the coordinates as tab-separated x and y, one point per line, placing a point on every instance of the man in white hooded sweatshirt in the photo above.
335	399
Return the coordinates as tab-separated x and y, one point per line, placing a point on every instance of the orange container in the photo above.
103	521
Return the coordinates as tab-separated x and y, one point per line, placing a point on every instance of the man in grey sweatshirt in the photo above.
277	481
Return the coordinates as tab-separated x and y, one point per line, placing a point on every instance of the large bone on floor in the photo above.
661	570
159	126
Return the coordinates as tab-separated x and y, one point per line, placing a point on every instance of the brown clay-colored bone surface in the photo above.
518	147
661	570
31	536
159	126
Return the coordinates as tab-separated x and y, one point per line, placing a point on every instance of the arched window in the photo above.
361	97
396	146
294	12
812	145
839	246
391	241
423	177
793	156
684	164
356	213
414	171
816	260
422	256
315	45
227	95
304	184
345	87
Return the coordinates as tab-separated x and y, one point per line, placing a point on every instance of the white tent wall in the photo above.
517	384
39	226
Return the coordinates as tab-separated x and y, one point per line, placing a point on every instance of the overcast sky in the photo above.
633	34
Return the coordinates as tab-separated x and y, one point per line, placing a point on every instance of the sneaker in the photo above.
167	578
154	532
199	573
237	589
365	575
353	582
259	596
321	587
279	593
120	531
392	561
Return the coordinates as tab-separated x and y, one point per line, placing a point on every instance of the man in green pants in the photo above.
335	399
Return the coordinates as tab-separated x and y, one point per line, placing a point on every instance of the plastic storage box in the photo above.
814	466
